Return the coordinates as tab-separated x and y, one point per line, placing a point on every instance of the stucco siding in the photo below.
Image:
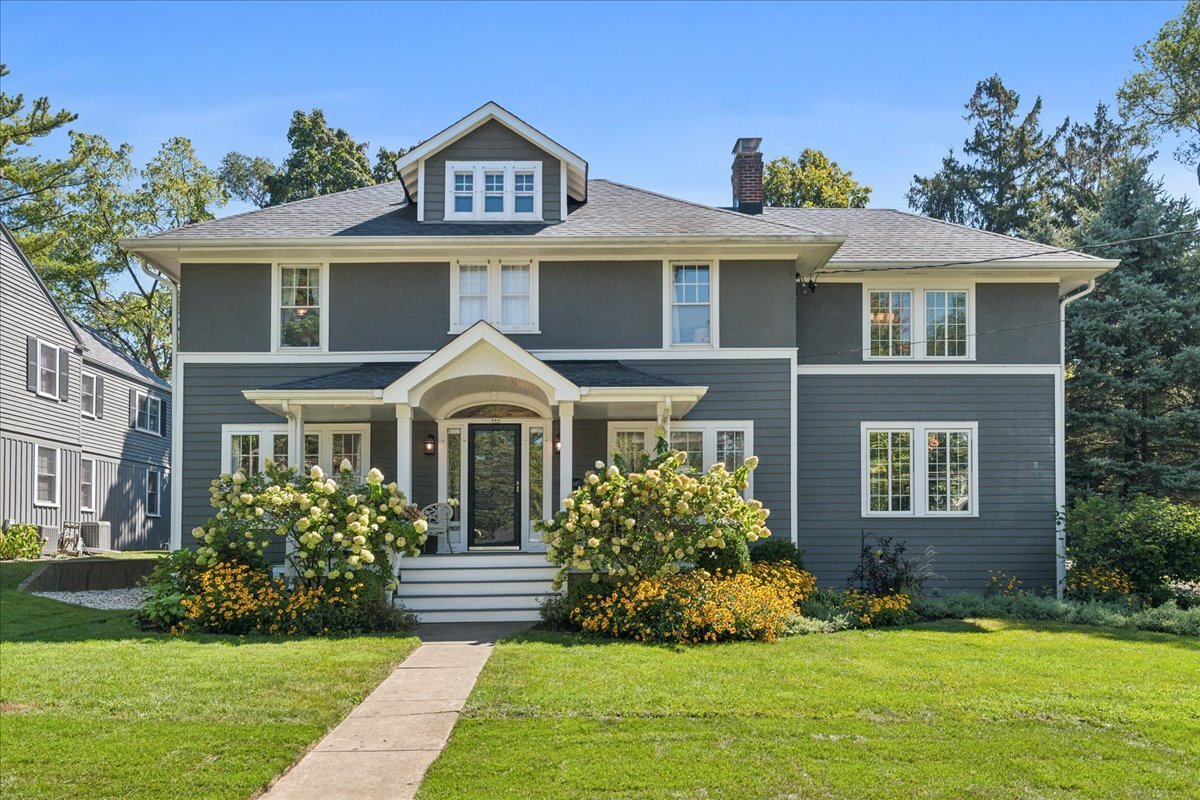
607	304
225	308
1015	529
757	303
397	306
491	141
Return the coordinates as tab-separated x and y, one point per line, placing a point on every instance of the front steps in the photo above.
475	587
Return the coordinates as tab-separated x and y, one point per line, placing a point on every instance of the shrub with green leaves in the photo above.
775	549
21	541
659	519
1153	541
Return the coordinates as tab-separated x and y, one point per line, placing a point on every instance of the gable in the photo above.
491	141
26	301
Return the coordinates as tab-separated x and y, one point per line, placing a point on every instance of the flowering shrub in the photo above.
698	606
333	528
655	521
857	609
1105	584
20	541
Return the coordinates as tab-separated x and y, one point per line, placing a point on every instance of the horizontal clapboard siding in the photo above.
491	141
120	500
112	436
17	486
1015	528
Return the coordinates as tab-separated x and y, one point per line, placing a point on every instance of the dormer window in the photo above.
494	190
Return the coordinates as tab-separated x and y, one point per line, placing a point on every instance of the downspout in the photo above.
1060	440
158	275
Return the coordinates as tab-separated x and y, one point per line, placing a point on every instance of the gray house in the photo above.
492	324
84	430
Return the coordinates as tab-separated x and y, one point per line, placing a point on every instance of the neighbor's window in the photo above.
492	190
891	324
299	306
921	469
691	304
87	393
87	486
890	471
504	295
149	414
946	324
46	465
47	369
153	493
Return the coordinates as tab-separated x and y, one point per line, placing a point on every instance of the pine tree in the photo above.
1133	348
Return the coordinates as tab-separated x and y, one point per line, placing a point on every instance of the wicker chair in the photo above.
438	515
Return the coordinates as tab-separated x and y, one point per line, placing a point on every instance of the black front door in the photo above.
494	486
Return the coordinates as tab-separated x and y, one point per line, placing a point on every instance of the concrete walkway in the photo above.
383	747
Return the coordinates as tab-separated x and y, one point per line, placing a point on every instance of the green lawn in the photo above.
92	707
982	708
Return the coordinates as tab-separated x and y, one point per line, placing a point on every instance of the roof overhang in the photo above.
810	251
1070	273
409	165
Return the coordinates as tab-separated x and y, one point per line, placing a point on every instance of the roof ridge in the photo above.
736	214
302	200
1049	249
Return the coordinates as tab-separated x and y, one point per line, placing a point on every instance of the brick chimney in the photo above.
747	176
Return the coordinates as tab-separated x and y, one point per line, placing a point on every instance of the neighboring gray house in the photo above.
84	431
498	318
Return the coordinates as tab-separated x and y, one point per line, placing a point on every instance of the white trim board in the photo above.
375	356
924	368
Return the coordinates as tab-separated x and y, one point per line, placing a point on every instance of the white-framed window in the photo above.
249	447
921	469
87	394
690	311
299	299
904	323
493	190
706	443
87	484
47	370
149	414
504	293
47	462
153	493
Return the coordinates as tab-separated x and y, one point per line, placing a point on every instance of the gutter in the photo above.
1060	440
176	481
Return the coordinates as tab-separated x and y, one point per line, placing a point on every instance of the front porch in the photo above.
482	423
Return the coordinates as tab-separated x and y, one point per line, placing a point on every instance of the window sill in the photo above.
915	360
698	346
457	329
38	504
913	515
53	397
153	516
86	415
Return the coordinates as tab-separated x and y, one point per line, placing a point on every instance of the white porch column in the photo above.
566	435
664	419
296	437
404	449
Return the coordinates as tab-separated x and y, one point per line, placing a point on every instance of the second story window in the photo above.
146	412
300	296
933	324
692	291
501	294
493	190
946	324
87	394
891	324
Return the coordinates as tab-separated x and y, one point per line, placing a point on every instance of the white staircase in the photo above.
475	587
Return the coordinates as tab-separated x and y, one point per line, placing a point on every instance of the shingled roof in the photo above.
593	374
100	350
612	209
888	235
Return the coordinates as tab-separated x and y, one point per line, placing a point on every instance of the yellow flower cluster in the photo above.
235	598
1004	585
698	607
889	609
1100	583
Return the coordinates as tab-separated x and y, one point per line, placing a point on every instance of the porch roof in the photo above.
584	374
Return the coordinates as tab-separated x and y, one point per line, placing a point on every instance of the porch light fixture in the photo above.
557	443
430	444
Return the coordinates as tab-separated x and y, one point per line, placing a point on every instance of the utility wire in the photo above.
1014	257
1166	302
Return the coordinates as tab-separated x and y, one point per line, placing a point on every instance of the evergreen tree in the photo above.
1007	165
1133	347
812	181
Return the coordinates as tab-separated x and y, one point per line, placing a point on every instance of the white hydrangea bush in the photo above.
651	522
334	527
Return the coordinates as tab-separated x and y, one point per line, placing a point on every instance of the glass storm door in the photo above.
494	483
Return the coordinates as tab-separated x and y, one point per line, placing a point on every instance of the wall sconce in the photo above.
430	444
557	443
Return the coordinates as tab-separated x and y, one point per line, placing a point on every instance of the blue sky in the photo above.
652	95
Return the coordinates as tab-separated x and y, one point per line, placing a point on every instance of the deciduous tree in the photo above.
812	181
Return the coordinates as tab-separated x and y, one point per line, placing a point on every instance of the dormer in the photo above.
492	166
